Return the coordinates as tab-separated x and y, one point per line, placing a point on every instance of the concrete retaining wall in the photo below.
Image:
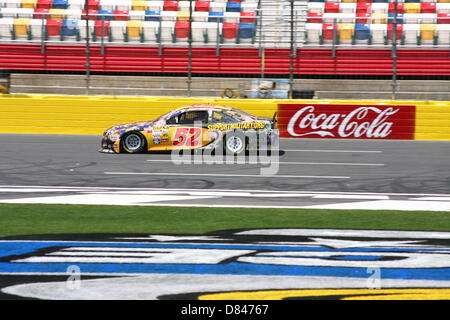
93	114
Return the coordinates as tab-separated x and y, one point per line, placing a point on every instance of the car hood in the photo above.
133	126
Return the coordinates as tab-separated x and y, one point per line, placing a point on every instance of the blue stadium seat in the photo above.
233	7
69	28
105	15
60	4
362	31
215	17
151	15
246	30
392	15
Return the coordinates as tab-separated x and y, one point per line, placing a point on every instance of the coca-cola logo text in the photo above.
355	122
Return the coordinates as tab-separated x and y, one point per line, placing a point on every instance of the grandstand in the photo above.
233	38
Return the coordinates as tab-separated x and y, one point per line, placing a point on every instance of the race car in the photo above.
198	126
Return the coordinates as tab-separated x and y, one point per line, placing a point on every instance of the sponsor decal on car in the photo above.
346	121
240	125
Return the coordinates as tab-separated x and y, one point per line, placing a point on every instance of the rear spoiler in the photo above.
274	121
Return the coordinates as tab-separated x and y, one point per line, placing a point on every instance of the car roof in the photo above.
204	106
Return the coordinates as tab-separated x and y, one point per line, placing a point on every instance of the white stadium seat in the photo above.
167	30
443	33
346	7
313	31
378	33
316	7
411	32
151	29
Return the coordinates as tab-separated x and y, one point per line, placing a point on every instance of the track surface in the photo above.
393	168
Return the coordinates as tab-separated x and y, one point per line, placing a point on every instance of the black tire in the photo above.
133	142
235	143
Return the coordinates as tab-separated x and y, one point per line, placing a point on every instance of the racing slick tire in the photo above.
235	143
133	142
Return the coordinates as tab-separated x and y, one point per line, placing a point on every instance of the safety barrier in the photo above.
236	61
47	114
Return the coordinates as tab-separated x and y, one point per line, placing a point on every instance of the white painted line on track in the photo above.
222	175
336	151
387	205
285	162
106	189
351	196
432	198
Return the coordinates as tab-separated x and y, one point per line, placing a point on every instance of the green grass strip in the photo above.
28	219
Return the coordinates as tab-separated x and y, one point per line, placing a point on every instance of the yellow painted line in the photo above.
342	294
51	130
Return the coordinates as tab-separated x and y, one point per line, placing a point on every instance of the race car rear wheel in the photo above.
235	143
133	142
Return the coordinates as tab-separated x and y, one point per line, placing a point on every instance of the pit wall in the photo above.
48	114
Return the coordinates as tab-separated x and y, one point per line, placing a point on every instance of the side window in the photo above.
173	120
189	117
221	117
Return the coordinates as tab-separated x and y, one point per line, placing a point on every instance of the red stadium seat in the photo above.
314	17
428	7
91	15
40	13
363	7
332	7
362	18
121	15
202	6
328	31
400	8
230	30
54	27
170	6
443	18
399	31
182	29
99	25
93	4
248	17
44	4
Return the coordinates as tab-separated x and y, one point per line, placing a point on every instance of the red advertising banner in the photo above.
344	121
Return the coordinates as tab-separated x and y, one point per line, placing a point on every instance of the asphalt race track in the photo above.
309	172
227	264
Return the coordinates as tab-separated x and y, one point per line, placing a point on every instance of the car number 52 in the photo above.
187	137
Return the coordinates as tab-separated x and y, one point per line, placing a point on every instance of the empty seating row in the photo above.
381	1
232	17
334	7
116	4
382	18
124	31
407	34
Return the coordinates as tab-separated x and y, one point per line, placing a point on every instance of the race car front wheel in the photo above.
133	142
235	143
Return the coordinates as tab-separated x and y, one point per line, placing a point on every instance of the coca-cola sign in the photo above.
346	121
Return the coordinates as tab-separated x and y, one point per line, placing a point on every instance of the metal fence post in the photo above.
43	33
88	51
394	83
292	54
189	67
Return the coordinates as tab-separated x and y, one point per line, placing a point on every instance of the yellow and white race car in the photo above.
197	126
